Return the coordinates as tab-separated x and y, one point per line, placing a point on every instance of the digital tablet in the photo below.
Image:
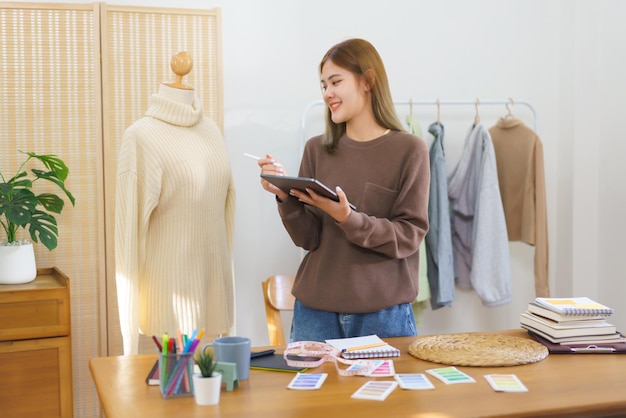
274	362
286	183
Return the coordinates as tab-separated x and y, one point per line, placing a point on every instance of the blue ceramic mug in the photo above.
233	350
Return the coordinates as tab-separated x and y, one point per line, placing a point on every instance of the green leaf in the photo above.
51	202
52	163
52	177
5	189
18	207
22	184
44	226
14	181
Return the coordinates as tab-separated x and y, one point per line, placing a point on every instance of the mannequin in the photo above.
174	219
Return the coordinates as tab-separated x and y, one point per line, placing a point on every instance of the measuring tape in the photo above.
311	354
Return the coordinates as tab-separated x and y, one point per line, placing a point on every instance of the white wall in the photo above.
448	50
590	251
560	55
564	56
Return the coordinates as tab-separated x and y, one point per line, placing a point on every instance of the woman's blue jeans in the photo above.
314	325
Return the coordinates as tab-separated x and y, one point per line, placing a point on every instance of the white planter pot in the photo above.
17	264
206	390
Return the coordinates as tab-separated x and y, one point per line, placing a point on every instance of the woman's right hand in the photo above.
269	165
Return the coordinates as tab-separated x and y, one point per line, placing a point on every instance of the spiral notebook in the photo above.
369	346
581	306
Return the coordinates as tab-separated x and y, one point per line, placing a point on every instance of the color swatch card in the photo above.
367	365
307	381
505	383
376	390
385	369
450	375
414	381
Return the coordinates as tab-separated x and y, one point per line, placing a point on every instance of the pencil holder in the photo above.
175	371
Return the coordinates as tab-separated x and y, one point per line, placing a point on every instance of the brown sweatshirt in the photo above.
370	261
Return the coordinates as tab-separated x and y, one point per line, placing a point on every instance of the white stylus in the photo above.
254	157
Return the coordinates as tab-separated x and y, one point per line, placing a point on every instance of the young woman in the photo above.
360	274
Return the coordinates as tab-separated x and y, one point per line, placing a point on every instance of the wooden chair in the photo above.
278	297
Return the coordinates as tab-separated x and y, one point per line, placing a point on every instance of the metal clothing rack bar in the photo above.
435	102
477	102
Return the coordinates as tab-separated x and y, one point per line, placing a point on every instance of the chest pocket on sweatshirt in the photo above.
378	200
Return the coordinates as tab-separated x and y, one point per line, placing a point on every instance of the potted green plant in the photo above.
207	384
21	207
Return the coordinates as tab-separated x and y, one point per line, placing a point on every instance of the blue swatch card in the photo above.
307	381
414	381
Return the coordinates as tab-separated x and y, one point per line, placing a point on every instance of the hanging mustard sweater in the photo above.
519	157
174	216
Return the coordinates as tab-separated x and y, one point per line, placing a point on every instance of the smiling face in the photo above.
345	94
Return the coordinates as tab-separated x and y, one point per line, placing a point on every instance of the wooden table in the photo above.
562	385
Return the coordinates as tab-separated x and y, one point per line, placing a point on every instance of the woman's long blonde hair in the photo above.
361	58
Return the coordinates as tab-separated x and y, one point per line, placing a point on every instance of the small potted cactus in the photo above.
207	384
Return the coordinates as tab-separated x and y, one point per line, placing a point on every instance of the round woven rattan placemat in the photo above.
475	349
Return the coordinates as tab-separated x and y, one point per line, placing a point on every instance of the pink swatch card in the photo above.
385	369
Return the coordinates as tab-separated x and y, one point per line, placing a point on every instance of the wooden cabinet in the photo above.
36	348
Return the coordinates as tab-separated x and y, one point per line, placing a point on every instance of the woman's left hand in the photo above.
339	211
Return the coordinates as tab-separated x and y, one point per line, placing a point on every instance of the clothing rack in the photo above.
411	102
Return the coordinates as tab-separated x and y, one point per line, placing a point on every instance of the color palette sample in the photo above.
366	365
377	390
414	381
450	375
505	383
307	381
385	369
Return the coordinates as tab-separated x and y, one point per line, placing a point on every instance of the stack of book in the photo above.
571	323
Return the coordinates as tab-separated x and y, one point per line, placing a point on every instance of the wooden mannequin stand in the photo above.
181	64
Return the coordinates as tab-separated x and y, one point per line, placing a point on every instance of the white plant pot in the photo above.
206	390
17	264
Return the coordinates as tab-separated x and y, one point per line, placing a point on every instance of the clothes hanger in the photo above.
438	112
412	122
509	115
476	117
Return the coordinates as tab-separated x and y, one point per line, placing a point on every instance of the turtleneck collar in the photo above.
506	123
174	112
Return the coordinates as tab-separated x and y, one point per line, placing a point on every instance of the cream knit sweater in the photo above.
174	221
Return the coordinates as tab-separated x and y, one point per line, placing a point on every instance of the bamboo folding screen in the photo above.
49	87
73	77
